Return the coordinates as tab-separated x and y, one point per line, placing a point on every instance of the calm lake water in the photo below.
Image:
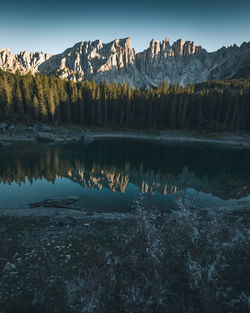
110	175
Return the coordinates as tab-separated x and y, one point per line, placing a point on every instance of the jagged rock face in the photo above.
182	62
95	61
23	62
186	63
116	61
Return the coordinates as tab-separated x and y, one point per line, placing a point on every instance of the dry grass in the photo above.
154	261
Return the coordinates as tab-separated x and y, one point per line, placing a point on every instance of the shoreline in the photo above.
45	134
20	134
175	137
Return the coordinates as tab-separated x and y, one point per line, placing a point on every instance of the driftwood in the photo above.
56	203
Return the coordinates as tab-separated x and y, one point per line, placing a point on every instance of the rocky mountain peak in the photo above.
178	47
165	44
184	48
182	62
23	62
125	43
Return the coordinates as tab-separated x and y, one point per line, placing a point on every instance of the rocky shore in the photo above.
71	260
10	133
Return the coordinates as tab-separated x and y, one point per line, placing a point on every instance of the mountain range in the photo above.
182	62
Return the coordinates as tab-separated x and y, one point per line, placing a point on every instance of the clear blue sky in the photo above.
53	26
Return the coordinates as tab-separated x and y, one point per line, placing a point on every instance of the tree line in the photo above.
215	105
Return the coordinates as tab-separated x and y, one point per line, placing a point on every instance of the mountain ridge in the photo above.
182	62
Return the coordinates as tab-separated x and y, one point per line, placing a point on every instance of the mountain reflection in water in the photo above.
114	164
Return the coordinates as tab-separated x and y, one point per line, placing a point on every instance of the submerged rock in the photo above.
63	203
87	138
5	143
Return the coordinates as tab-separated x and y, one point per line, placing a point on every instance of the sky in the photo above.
52	26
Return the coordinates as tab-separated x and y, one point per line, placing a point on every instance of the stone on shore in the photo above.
3	126
45	137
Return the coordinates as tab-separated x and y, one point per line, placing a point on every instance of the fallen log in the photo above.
56	203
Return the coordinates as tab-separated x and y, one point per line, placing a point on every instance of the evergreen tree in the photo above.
215	105
35	108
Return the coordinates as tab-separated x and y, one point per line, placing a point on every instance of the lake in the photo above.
110	175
